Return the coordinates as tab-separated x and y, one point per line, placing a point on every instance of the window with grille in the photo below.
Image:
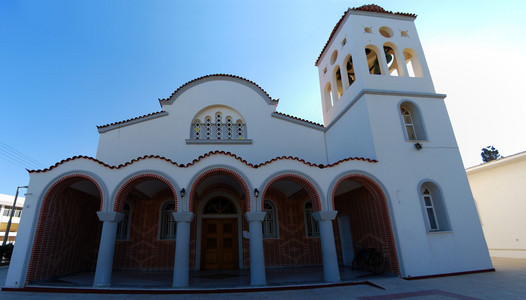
311	226
218	124
167	222
123	227
270	223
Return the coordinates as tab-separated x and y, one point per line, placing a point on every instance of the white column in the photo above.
182	248
331	272
257	256
106	247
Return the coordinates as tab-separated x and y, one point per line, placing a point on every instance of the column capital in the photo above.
256	216
109	216
183	216
325	215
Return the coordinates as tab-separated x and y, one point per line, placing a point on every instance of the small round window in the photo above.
386	31
334	56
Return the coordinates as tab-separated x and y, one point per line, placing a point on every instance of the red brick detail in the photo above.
307	185
130	184
292	248
369	217
68	231
218	171
144	250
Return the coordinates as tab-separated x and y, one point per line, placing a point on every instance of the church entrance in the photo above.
219	245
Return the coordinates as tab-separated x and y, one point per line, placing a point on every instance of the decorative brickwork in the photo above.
68	231
213	172
130	184
369	219
292	248
307	185
144	250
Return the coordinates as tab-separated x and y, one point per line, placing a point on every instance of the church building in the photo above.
219	179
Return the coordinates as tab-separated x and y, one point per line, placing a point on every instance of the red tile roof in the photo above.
129	120
161	101
299	119
370	8
216	152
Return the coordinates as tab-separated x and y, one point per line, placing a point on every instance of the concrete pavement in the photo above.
507	282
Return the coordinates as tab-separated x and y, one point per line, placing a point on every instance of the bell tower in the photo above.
370	49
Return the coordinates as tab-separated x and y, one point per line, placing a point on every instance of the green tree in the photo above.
490	153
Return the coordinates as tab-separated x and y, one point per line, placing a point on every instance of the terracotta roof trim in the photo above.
298	120
217	76
149	116
216	152
373	8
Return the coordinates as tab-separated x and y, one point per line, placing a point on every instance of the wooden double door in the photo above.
220	244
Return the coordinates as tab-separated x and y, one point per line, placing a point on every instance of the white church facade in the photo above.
218	179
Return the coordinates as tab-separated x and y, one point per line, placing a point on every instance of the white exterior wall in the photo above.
499	191
166	136
406	168
352	30
351	135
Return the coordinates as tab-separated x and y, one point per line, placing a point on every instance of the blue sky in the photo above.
67	66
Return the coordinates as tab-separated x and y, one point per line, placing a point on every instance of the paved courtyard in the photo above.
507	282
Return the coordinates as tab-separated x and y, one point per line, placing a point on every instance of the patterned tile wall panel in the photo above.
68	235
292	248
144	250
370	224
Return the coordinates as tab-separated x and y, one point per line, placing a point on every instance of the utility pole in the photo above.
12	214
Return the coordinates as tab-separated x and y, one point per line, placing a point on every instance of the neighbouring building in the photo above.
6	205
219	179
500	195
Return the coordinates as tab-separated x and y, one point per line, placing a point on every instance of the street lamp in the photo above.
6	235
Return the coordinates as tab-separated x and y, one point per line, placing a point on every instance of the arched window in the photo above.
350	70
270	224
412	122
328	96
229	129
215	124
219	126
391	56
372	61
435	213
197	129
408	122
219	205
240	128
208	128
413	64
123	227
312	227
167	223
338	79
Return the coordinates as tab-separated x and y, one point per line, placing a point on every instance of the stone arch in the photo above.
382	215
218	171
127	185
56	221
301	180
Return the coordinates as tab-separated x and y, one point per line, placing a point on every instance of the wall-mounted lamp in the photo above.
418	146
182	192
256	192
